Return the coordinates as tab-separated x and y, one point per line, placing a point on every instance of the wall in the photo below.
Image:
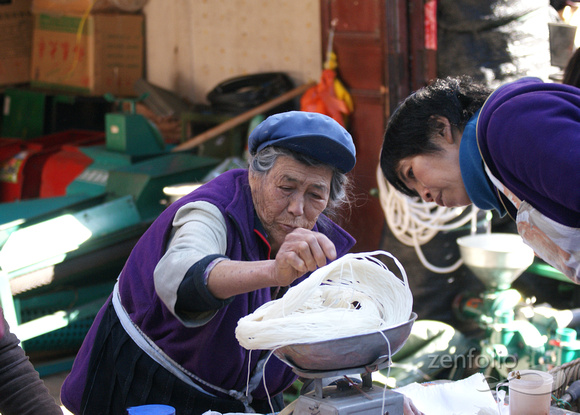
192	45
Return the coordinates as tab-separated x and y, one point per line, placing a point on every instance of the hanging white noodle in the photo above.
415	222
356	294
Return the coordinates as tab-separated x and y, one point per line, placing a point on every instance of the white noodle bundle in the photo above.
356	294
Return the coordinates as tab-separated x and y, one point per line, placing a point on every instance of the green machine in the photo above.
60	256
131	133
518	335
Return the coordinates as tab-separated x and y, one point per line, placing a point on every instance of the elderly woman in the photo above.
516	150
166	335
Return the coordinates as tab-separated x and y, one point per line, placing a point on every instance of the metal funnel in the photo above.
497	259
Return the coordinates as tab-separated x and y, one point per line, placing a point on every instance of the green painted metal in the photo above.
145	180
93	181
45	244
82	239
545	270
9	305
48	242
63	317
35	209
133	134
24	113
54	366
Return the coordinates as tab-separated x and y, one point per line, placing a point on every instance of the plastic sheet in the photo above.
496	41
467	396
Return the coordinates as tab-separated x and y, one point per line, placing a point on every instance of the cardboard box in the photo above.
78	7
15	6
100	54
16	22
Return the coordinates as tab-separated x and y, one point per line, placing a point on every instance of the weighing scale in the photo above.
344	357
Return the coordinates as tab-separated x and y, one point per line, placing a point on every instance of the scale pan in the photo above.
346	352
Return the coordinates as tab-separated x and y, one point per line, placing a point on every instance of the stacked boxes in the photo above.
78	7
95	54
86	47
15	42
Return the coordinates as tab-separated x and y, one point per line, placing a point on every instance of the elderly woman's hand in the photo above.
302	251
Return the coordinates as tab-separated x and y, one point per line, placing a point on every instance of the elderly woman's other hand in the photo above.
302	251
409	408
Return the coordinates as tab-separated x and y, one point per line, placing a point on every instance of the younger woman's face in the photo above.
436	177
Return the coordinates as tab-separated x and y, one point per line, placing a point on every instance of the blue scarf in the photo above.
479	189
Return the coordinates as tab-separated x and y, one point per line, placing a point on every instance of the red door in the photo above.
380	47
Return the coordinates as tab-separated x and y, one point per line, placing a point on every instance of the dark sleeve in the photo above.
22	392
193	295
1	325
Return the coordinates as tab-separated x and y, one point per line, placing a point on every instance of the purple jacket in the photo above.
528	133
211	351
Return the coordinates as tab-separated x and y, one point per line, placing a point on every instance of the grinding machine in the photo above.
517	333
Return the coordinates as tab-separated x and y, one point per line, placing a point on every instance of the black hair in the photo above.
413	124
558	4
572	71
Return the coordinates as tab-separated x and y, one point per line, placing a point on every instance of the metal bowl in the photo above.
497	259
346	352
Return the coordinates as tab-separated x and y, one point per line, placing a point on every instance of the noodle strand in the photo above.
356	294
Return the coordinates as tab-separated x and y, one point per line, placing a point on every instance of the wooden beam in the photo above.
239	119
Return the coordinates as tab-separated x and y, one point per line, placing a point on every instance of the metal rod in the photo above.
318	390
246	116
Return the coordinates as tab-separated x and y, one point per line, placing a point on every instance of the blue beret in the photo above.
316	135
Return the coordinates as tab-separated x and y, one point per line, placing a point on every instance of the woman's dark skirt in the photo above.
121	375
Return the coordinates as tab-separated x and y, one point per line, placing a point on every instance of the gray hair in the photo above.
262	162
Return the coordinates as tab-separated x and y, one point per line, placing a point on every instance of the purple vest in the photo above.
211	351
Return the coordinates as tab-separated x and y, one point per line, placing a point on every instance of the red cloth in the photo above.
322	98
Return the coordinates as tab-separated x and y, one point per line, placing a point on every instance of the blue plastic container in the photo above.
151	410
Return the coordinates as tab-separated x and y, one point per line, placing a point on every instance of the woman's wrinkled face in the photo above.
436	177
291	195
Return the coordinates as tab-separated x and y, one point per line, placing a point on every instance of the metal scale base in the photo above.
338	358
344	398
337	402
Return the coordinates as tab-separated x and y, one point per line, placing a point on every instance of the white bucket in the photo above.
530	392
